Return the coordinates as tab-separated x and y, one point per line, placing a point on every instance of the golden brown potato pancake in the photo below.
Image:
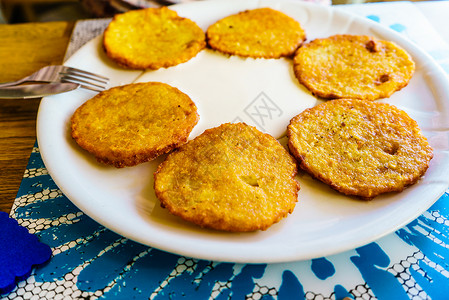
258	33
152	38
134	123
358	147
353	66
232	178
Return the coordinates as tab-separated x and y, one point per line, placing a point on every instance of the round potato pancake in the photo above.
152	38
353	66
258	33
134	123
232	178
360	148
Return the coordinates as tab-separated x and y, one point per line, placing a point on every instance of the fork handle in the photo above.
12	83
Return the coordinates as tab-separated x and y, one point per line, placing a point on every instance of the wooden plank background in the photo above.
24	48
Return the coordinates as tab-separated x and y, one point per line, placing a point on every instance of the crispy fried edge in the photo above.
129	63
217	224
331	96
365	195
142	156
277	54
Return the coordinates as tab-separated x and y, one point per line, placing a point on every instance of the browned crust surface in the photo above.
232	178
353	66
258	33
134	123
152	38
359	147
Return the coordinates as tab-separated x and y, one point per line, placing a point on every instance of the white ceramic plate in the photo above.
264	94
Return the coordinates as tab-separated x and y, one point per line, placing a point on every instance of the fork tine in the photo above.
58	73
86	74
76	79
86	79
84	84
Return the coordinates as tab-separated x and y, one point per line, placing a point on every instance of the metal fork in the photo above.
58	73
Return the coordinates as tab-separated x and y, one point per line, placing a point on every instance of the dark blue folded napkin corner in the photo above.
20	251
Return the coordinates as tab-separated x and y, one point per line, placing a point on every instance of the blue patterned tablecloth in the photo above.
90	261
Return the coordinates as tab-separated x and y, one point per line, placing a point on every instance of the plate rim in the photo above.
252	258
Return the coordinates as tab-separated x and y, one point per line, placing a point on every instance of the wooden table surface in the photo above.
24	48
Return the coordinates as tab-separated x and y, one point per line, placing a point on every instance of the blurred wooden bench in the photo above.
29	9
